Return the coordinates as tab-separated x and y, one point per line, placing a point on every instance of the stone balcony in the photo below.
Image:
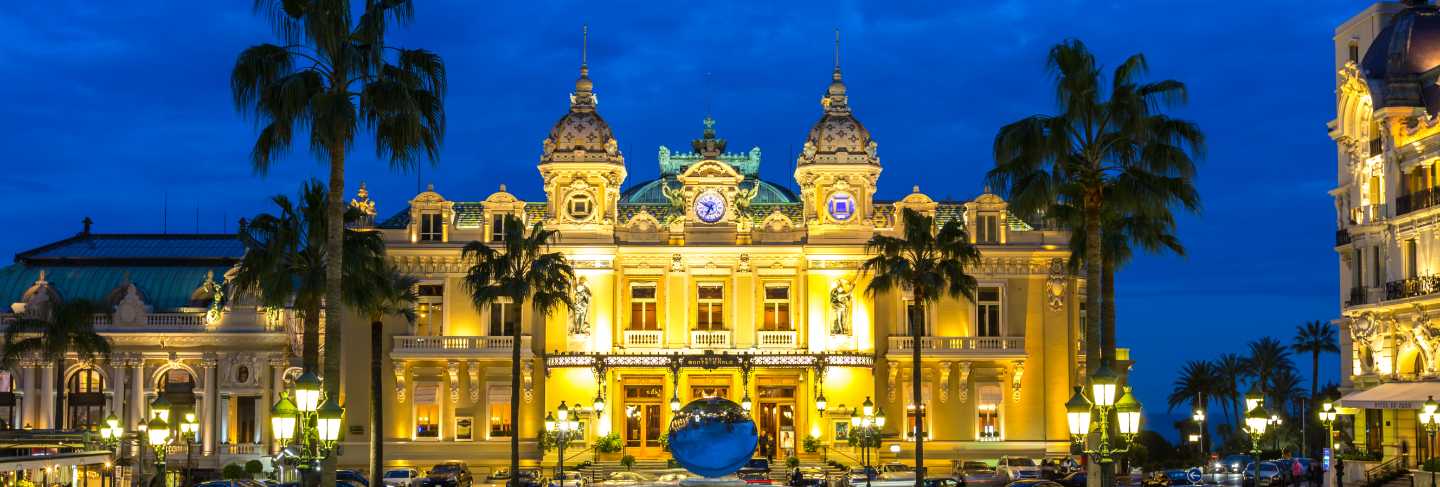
448	347
710	339
775	339
960	347
642	339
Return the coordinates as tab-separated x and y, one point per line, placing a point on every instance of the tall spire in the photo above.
835	99
584	45
837	53
584	95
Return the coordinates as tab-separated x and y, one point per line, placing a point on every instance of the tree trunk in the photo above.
377	404
58	422
310	340
334	307
1310	403
917	327
1107	316
514	407
1099	475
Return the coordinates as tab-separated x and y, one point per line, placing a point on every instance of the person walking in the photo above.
1339	472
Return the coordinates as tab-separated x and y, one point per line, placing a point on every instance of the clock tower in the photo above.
711	193
837	171
583	169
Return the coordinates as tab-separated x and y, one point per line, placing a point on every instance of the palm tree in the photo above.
68	329
1268	357
285	256
1123	141
929	264
1233	369
1314	338
1198	382
519	270
330	73
390	293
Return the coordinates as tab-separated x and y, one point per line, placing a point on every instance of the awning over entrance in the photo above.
1395	395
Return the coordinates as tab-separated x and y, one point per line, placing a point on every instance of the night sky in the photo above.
113	109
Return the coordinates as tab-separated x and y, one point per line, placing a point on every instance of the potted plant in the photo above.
608	447
627	461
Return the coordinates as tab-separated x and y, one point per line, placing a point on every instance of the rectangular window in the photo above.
777	308
987	413
1357	266
1378	274
642	306
1412	253
912	309
987	312
987	229
430	310
710	302
910	410
498	400
427	411
1354	52
245	419
497	227
431	228
504	317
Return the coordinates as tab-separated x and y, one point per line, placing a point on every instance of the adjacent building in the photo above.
705	281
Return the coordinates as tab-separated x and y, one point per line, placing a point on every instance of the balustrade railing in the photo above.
1357	297
457	344
710	338
1411	287
1342	237
776	339
960	344
1417	200
642	338
242	449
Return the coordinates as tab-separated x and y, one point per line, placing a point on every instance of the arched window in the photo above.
85	399
9	404
178	386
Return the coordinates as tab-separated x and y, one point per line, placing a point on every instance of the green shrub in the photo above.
792	462
609	443
254	468
233	472
811	444
627	461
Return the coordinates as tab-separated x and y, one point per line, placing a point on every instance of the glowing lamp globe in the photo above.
1102	386
328	419
307	392
158	431
1257	420
1077	413
1127	410
282	419
712	437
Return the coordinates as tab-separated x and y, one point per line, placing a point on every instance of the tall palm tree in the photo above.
389	293
68	329
521	269
1268	357
1314	338
330	74
1198	382
1233	369
1123	140
930	265
285	257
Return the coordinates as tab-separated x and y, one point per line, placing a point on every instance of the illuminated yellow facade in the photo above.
710	281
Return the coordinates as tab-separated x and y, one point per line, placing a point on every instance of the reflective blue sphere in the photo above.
712	437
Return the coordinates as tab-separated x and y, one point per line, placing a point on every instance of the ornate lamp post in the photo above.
1199	417
189	429
1256	421
1079	410
563	428
312	422
867	424
110	435
158	432
1275	422
1327	418
1429	419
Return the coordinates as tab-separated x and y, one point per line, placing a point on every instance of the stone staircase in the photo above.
1406	480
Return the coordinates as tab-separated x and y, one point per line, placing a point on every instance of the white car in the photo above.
568	479
1017	468
401	477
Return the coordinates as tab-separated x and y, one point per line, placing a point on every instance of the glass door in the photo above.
776	422
643	419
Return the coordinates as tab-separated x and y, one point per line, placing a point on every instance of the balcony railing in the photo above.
242	449
1364	215
1342	237
960	345
1414	286
710	338
1418	200
1376	146
452	346
642	338
776	339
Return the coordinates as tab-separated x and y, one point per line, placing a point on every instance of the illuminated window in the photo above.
913	310
987	312
85	398
431	227
777	308
910	410
710	300
497	227
1354	52
429	310
642	306
987	413
987	229
1412	253
580	206
504	317
427	411
498	411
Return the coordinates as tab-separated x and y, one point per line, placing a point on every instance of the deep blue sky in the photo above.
110	110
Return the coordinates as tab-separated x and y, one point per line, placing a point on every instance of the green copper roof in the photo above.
138	249
164	288
649	192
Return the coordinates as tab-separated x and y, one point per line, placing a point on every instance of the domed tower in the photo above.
1400	64
583	169
837	170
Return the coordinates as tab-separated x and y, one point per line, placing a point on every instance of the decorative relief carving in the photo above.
527	379
452	369
1016	373
893	370
399	381
474	368
677	263
1055	284
964	380
944	381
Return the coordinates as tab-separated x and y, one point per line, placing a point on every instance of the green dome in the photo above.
649	192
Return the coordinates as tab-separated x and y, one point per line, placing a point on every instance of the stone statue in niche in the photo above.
840	302
580	313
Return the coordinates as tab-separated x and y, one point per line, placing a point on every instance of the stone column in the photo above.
208	422
137	391
223	420
117	386
276	382
27	387
46	407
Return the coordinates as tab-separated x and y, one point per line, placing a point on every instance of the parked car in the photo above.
567	479
352	476
1017	468
806	477
753	476
449	474
1074	479
625	479
231	483
1033	483
896	471
401	477
1235	463
860	475
1168	478
976	473
1269	474
944	482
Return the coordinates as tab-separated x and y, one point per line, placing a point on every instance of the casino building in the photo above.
706	281
1387	199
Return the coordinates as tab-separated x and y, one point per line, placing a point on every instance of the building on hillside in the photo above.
706	281
1387	138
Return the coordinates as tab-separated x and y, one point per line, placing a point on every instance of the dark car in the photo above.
1075	479
1033	483
1235	463
449	474
352	476
755	471
944	482
806	477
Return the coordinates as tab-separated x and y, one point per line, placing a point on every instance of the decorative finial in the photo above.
915	189
362	193
837	49
584	45
502	187
987	189
86	222
430	187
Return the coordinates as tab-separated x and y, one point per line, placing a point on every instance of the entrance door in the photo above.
776	421
643	419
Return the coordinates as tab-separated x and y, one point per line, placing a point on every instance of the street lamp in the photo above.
189	429
110	435
563	428
1275	422
161	407
312	422
158	432
307	392
1079	411
1431	423
867	424
675	402
599	404
745	402
1327	418
820	404
1256	421
1199	417
282	419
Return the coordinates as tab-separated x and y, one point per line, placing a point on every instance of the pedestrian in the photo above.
1339	472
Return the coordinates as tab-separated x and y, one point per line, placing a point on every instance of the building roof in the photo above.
649	192
137	249
1405	51
163	287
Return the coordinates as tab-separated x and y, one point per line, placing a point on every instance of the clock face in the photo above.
841	206
710	206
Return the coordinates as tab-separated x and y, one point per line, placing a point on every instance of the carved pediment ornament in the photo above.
964	379
399	381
